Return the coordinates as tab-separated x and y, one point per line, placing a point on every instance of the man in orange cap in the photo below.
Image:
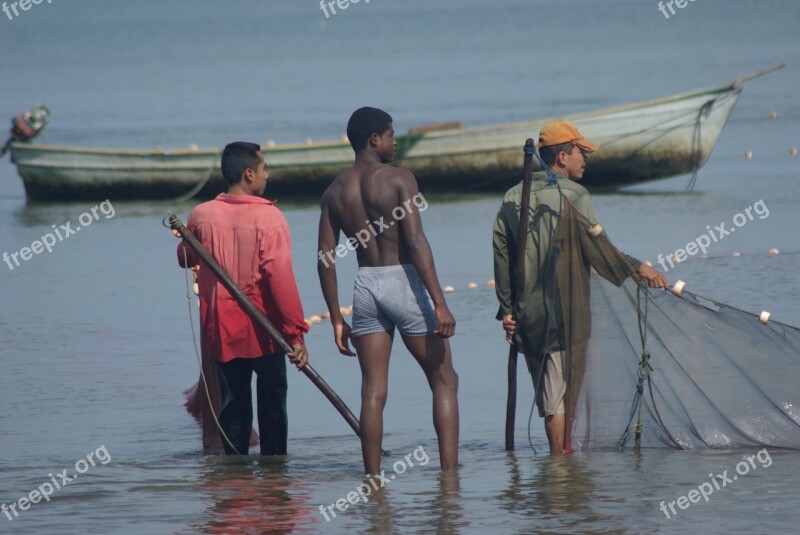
540	318
557	143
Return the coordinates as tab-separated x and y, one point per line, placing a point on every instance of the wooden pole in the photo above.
522	240
261	320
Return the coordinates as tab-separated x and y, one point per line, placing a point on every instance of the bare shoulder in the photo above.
334	190
398	173
399	178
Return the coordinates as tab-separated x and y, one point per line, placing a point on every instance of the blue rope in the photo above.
551	179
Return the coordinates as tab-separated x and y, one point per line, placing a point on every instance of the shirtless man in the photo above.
373	204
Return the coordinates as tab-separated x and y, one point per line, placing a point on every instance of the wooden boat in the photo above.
639	142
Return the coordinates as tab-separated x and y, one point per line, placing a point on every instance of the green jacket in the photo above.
537	298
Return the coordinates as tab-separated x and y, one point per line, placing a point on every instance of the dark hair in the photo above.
363	123
237	158
549	154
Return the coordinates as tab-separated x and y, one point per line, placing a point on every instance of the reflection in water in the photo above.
561	488
436	510
446	509
254	496
380	515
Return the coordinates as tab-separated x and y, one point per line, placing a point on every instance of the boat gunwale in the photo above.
336	144
729	87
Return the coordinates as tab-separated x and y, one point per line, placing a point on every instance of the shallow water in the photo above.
95	343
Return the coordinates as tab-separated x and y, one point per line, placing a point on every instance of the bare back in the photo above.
376	207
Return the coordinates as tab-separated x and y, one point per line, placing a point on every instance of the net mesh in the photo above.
720	378
204	404
648	368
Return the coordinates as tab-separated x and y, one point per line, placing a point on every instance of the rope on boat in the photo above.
689	114
698	137
694	117
196	189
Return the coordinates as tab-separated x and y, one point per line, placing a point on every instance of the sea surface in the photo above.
95	338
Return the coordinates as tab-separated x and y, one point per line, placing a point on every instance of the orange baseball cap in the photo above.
558	132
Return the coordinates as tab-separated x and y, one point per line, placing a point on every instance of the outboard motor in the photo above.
27	125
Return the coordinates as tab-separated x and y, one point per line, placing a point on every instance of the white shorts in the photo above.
551	388
389	296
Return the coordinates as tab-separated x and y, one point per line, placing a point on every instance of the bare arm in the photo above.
327	240
419	251
654	278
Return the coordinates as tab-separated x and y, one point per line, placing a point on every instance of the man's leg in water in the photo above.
554	393
554	426
236	416
433	355
271	387
546	389
373	356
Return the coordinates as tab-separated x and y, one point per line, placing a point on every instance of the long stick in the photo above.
522	239
261	320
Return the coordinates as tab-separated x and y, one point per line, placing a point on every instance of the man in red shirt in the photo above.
248	236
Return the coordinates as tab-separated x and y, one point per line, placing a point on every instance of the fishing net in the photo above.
649	368
717	377
203	401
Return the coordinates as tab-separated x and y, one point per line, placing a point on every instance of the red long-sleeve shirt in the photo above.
249	238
